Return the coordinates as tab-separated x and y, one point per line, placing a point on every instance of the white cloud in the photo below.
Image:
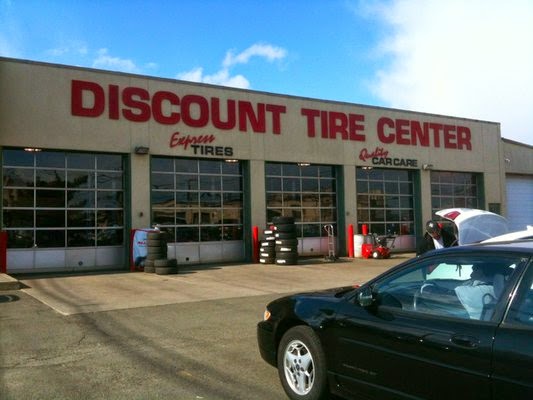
470	59
270	53
105	61
76	48
223	77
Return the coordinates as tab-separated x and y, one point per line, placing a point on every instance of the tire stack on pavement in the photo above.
286	241
267	252
156	257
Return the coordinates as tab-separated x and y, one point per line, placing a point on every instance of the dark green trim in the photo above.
341	212
481	191
128	184
247	211
417	205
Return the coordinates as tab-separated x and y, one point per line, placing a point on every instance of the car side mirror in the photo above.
365	298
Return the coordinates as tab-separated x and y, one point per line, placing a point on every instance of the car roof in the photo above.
515	246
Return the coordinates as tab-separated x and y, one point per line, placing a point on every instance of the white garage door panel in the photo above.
519	202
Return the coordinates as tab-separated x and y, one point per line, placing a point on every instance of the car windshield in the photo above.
463	287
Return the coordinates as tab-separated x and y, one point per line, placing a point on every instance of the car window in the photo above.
457	287
522	309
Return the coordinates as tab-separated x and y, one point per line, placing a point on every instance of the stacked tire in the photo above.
286	248
267	251
156	256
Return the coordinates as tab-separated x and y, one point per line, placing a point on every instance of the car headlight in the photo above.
266	315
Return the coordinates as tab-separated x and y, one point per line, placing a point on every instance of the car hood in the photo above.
474	225
306	304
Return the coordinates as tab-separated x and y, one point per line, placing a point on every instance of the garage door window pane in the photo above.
303	192
65	191
389	207
205	191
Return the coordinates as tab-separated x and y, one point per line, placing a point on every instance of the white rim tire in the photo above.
302	365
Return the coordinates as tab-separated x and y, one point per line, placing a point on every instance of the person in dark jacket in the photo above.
435	238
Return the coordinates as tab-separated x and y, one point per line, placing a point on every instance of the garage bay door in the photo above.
519	201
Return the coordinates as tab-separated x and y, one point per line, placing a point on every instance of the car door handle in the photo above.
465	341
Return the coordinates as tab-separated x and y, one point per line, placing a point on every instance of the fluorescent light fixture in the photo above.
141	150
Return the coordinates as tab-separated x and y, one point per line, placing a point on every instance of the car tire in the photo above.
286	259
287	242
302	365
149	269
153	235
285	236
288	228
166	270
268	243
376	255
282	220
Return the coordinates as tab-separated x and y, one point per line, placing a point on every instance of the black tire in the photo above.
287	261
166	270
162	262
153	250
172	262
376	255
285	228
287	242
268	243
268	254
285	235
298	343
269	238
153	242
286	249
153	256
268	232
283	220
267	260
153	235
149	269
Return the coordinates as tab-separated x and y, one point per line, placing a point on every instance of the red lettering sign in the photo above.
378	152
335	124
89	99
414	133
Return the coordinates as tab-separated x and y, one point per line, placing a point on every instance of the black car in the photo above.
454	323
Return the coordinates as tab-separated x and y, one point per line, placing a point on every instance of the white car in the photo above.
473	226
525	234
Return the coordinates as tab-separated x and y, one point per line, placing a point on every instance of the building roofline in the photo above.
517	143
200	84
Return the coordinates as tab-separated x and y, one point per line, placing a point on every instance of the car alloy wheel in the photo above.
299	368
301	364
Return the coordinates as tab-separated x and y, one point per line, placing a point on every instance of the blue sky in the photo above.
466	58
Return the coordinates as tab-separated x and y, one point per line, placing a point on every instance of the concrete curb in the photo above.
9	283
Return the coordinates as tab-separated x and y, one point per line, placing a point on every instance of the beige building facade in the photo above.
88	156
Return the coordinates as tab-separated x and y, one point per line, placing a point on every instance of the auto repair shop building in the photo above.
89	155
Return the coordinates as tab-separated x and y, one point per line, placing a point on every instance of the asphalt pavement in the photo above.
71	293
135	335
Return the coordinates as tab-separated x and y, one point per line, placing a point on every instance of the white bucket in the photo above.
358	241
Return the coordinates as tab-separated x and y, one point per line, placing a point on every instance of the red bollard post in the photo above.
350	241
365	229
255	244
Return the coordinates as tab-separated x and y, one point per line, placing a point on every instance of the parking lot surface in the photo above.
104	291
